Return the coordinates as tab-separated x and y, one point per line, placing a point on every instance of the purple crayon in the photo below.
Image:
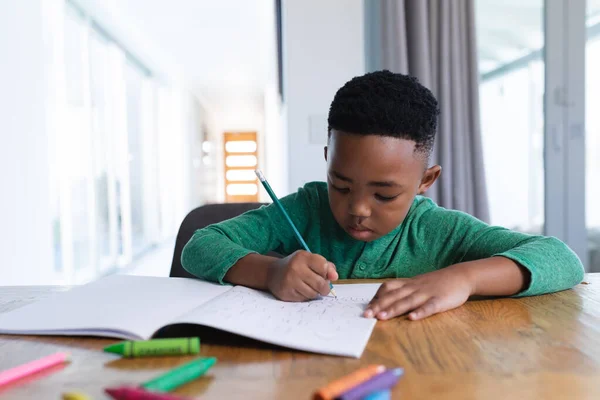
382	381
132	393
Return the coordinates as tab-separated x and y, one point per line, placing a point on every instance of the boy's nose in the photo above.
359	209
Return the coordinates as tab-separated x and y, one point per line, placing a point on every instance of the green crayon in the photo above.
180	376
156	347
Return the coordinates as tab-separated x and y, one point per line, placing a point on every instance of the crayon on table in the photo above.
381	395
129	393
156	347
32	367
383	381
180	375
345	383
75	396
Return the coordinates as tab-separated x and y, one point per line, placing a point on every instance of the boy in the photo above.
370	221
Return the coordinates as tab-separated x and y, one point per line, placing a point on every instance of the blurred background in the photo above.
117	118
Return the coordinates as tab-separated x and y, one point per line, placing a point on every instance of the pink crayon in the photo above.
22	371
130	393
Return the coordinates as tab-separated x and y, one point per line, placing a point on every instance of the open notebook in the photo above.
136	307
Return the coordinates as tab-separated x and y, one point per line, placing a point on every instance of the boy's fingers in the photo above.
384	298
296	296
307	292
430	307
290	294
332	274
317	283
318	264
323	268
380	303
389	286
402	306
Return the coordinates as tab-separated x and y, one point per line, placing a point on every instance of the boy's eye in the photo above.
341	190
385	198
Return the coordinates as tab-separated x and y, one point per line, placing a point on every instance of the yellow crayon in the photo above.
75	396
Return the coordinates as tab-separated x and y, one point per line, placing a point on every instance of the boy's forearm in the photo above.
251	271
495	276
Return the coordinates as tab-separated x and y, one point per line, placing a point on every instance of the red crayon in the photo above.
131	393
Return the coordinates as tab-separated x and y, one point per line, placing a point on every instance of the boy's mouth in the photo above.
359	232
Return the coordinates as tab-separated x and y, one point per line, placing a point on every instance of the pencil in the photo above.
267	187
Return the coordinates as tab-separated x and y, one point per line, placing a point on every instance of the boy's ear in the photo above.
325	153
429	177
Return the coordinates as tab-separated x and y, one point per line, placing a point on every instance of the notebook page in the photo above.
326	325
121	306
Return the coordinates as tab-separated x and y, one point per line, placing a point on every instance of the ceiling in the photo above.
221	46
226	48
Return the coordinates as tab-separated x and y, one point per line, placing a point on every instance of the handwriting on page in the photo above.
325	317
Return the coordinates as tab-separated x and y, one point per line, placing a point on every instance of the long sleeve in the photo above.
451	237
213	250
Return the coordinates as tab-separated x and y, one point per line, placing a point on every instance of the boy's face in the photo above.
372	182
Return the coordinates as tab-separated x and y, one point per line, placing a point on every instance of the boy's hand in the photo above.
423	295
301	276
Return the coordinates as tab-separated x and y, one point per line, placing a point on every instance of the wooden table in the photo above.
545	347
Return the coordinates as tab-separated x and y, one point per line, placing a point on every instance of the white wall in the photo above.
25	230
323	48
274	143
172	159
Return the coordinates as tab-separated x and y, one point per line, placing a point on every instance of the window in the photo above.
541	164
512	119
592	137
107	205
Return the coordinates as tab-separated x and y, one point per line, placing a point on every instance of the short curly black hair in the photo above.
386	104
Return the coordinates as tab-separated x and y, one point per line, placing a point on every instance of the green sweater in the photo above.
429	238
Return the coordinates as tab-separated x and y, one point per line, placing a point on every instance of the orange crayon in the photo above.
343	384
